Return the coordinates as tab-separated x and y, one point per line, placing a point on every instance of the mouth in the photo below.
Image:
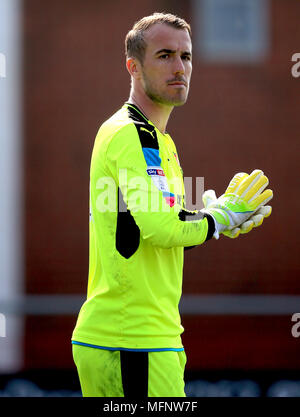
178	83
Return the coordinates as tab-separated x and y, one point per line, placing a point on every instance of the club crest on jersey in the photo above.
176	157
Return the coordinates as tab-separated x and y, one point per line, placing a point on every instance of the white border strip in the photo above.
212	304
11	180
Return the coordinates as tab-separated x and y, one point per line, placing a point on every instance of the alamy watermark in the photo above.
2	66
142	195
296	327
295	70
2	325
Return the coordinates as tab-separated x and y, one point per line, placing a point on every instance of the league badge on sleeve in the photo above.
158	177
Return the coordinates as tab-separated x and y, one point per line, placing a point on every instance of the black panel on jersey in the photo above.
127	233
187	216
134	370
146	131
211	227
136	114
147	135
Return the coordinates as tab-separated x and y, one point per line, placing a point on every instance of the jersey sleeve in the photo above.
133	158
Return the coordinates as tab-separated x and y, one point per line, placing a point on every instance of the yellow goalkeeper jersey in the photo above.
138	230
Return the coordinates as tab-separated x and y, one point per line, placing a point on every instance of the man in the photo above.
127	338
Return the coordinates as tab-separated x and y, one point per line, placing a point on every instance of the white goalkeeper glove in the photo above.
241	207
209	197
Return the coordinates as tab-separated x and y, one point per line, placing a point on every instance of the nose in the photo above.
178	66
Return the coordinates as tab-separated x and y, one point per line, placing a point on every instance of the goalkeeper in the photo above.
127	339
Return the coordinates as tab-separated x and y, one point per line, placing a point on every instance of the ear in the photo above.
133	67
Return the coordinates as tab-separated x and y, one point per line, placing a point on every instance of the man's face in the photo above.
167	65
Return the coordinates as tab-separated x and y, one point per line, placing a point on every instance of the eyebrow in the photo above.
171	51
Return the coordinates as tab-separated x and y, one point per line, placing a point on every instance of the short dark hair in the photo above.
135	45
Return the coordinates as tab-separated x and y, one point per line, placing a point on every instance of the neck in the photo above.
158	113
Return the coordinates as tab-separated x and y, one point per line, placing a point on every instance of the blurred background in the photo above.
62	73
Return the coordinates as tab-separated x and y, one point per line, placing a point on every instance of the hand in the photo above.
241	207
256	220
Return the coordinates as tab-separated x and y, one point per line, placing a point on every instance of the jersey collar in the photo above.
139	111
140	116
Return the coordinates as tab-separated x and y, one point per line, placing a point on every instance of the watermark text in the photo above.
295	70
296	327
150	193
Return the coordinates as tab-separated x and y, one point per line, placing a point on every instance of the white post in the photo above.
11	172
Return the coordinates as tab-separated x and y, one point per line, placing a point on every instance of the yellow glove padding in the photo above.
248	188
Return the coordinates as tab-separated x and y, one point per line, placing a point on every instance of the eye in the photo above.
164	56
186	57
